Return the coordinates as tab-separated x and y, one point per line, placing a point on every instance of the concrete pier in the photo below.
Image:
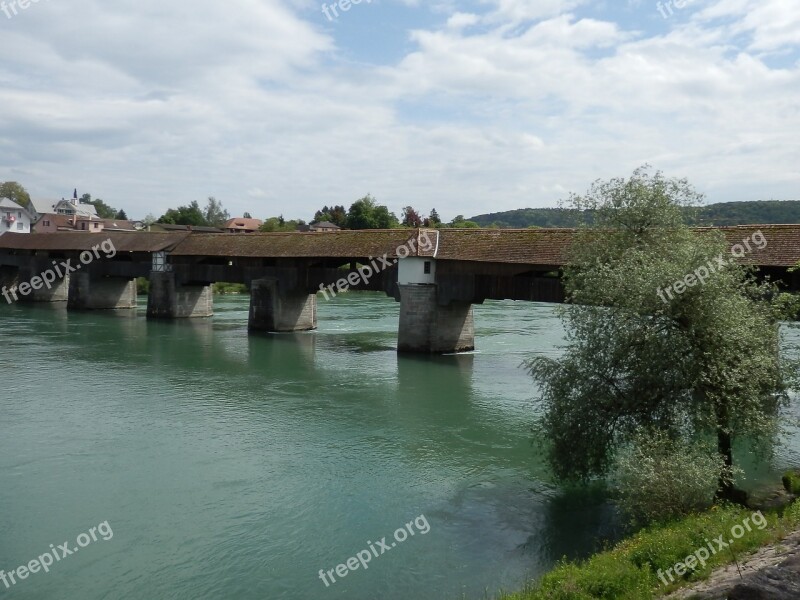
170	300
101	293
428	328
274	309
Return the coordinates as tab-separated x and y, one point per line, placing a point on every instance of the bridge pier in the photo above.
429	328
33	288
9	277
276	310
101	293
170	300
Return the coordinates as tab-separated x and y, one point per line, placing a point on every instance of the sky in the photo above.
283	106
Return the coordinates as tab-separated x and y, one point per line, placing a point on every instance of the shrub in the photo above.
658	478
791	482
142	286
229	288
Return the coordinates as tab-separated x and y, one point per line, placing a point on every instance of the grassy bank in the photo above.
629	571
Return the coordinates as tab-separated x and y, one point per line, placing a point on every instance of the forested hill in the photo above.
724	213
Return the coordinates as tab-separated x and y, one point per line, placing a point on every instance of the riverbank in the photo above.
771	572
668	560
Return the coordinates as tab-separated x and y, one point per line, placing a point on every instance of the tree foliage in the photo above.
185	215
334	214
280	224
14	191
214	213
722	213
104	211
461	223
704	362
366	213
660	478
411	218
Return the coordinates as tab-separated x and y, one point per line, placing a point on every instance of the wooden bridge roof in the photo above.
340	244
544	247
69	241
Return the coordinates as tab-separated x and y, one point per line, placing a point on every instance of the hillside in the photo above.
723	213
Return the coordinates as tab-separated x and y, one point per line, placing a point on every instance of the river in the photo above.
228	465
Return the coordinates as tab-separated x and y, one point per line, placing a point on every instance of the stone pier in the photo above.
171	300
9	277
101	293
274	309
39	283
428	328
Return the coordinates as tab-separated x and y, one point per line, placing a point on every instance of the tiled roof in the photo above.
82	240
245	224
41	206
782	247
60	221
342	244
325	225
118	225
526	246
541	247
10	204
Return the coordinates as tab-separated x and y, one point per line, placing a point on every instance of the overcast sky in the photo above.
468	107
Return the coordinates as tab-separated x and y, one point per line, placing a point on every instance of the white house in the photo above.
69	208
13	217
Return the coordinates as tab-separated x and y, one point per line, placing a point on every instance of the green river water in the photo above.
229	465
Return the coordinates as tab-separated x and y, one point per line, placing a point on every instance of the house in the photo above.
87	223
324	227
242	225
52	222
13	217
39	208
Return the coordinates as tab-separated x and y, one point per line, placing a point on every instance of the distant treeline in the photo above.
724	213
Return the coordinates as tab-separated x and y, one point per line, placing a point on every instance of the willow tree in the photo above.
702	360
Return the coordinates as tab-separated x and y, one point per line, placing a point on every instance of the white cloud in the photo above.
158	104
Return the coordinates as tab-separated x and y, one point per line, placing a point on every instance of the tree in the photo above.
410	217
215	215
460	223
280	224
246	215
14	191
185	215
366	213
434	218
335	214
104	211
704	362
121	216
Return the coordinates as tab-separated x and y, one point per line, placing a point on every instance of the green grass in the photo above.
629	570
